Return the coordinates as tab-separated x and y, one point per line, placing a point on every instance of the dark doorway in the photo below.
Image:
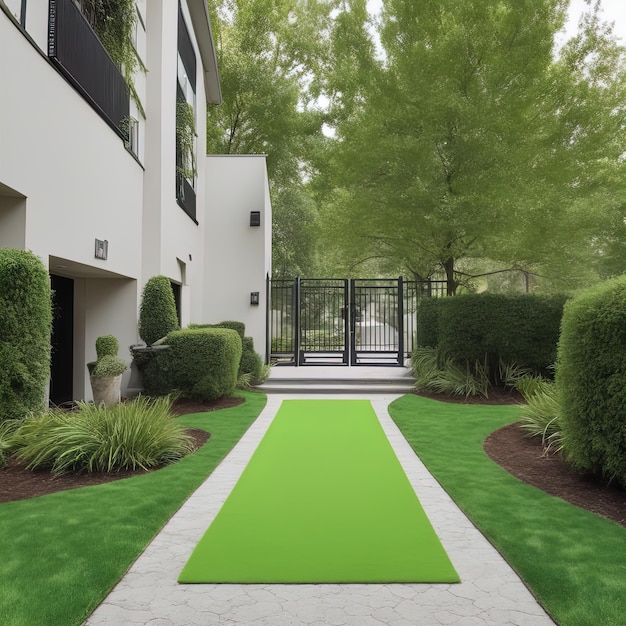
176	291
62	362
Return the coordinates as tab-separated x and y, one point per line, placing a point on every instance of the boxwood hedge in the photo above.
25	327
591	376
521	329
199	363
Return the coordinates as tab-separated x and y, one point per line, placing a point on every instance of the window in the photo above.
186	139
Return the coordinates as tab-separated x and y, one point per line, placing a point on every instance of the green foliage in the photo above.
137	434
8	440
591	375
108	366
157	315
107	345
521	329
512	152
441	374
251	362
25	327
428	322
199	363
541	414
239	327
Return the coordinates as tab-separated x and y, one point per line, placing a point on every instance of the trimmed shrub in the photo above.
428	322
108	366
251	362
591	377
157	315
199	363
106	345
520	329
239	327
25	328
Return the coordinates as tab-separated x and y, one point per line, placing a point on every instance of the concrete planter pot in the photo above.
107	391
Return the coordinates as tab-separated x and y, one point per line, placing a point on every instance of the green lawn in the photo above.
572	560
62	553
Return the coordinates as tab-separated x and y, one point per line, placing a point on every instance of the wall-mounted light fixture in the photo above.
255	218
254	297
102	249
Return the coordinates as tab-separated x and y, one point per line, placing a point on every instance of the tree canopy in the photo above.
469	140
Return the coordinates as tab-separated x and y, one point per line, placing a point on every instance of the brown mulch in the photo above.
18	483
523	457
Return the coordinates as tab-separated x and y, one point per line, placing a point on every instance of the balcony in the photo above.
76	51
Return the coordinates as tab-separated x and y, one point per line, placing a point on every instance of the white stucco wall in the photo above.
237	256
79	181
72	182
173	242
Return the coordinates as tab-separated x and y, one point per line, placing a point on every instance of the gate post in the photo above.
400	321
296	326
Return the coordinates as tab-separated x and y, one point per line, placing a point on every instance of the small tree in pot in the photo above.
106	372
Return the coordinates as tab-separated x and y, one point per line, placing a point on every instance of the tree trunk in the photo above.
451	284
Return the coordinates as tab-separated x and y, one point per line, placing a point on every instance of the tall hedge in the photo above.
25	328
428	322
157	315
199	363
591	377
521	329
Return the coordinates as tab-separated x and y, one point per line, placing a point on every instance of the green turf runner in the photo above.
323	500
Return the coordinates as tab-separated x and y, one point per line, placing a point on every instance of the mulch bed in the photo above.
18	483
509	446
523	457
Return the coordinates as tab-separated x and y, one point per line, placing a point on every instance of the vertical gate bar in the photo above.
350	320
400	321
297	321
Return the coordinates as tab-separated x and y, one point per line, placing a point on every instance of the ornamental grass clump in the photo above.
127	436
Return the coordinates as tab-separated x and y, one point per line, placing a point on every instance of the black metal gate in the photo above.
315	321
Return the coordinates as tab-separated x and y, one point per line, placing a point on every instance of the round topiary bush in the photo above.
157	315
108	366
591	377
107	345
25	327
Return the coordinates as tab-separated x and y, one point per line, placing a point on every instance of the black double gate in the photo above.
315	321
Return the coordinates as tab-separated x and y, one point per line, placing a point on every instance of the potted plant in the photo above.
106	372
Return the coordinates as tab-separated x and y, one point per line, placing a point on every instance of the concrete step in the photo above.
301	385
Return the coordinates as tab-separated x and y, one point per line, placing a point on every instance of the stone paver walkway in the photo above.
490	592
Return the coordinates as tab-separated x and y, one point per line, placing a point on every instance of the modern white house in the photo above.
97	182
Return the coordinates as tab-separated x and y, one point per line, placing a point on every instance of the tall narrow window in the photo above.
186	138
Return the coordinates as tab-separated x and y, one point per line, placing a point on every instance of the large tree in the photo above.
268	53
477	139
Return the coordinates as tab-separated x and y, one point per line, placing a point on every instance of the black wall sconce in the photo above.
254	297
255	218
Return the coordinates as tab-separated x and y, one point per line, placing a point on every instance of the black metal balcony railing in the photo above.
75	49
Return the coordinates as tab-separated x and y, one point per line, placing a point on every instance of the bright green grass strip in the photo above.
62	553
572	560
323	500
